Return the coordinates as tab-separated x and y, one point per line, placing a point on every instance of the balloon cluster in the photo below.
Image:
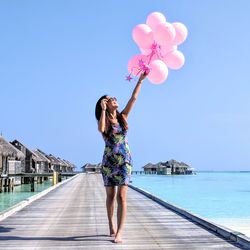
158	41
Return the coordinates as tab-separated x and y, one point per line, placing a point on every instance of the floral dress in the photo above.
117	162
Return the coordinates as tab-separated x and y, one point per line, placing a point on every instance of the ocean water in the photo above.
213	195
21	192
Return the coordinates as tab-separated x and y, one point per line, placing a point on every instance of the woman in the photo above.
117	162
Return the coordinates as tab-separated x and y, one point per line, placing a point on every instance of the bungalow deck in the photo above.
73	216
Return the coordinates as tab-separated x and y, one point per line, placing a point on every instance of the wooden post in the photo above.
10	184
5	184
55	178
59	177
32	184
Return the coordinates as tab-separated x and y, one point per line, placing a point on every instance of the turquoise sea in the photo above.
21	192
213	195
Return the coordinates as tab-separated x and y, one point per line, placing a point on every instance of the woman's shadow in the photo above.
97	237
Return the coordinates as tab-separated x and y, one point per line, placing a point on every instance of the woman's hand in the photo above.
104	104
142	76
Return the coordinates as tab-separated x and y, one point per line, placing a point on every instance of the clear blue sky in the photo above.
58	57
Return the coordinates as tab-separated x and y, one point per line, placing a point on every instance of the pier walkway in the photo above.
73	216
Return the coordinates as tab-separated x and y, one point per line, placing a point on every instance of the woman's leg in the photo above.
110	204
121	211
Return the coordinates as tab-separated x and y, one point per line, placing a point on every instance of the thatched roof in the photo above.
7	149
17	144
149	165
70	164
51	157
184	164
39	157
67	163
173	162
54	160
62	162
36	157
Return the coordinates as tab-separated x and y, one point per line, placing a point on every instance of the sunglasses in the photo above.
112	99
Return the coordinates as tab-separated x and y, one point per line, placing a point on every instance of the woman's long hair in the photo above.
120	118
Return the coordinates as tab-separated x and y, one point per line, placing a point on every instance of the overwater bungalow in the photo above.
40	162
27	166
55	163
71	167
10	163
91	168
152	168
63	165
168	168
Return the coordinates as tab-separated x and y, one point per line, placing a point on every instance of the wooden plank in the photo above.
73	216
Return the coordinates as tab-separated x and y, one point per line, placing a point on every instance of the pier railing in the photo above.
144	172
43	174
7	181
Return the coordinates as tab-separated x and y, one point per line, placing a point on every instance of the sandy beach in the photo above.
241	225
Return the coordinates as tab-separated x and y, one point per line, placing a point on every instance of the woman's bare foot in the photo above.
118	239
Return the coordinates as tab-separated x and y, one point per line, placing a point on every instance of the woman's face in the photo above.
112	103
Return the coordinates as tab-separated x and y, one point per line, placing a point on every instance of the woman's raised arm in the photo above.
102	121
134	96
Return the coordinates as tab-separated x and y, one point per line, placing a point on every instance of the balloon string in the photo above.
155	49
158	55
150	57
138	69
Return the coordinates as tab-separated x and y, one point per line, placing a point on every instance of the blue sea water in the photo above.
21	192
208	194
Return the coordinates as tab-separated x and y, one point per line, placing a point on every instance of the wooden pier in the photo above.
73	216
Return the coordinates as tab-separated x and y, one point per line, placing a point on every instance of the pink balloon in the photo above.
145	51
158	72
164	34
167	49
133	64
174	60
181	33
154	19
143	36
